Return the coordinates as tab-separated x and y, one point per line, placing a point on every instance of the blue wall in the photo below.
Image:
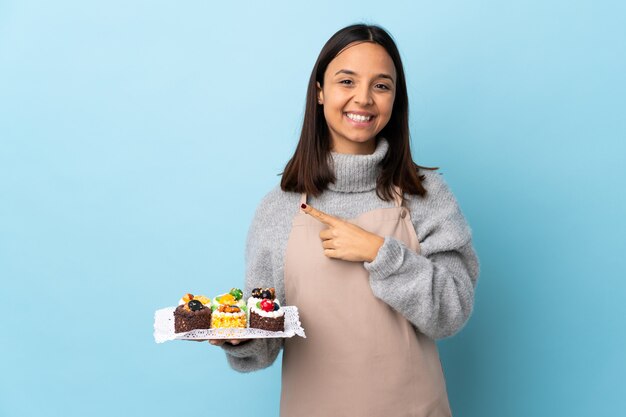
136	139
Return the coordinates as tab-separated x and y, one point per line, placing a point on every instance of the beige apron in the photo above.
360	358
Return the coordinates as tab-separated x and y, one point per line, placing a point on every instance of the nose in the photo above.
363	96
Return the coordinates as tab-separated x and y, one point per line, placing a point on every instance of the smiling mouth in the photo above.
359	118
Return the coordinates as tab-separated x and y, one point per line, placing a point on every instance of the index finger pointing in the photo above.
320	215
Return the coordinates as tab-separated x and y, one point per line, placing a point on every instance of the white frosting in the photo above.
252	302
273	314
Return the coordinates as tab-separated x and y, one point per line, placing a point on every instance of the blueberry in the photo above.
195	305
266	294
276	306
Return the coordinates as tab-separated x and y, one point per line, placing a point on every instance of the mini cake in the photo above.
265	311
206	301
232	298
192	314
229	310
259	294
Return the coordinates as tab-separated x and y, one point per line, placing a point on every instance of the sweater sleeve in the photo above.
256	354
434	289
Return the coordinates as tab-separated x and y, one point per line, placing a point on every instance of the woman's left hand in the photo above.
344	240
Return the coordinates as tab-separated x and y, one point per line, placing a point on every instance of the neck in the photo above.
353	148
357	172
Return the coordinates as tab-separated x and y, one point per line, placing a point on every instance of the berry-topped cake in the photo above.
265	311
259	294
193	312
229	310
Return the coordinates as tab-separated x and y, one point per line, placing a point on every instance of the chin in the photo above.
362	139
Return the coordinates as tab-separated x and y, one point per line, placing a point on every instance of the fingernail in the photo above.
303	206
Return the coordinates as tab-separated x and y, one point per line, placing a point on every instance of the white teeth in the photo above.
358	118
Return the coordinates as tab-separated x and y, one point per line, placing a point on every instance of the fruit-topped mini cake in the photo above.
259	294
229	310
192	313
232	298
265	311
206	301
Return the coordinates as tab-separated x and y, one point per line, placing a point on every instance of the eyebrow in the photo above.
350	72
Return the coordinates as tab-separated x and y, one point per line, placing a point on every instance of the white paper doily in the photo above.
164	328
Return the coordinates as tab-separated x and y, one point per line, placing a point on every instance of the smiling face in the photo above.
358	95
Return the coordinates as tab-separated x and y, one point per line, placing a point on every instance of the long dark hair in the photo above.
309	169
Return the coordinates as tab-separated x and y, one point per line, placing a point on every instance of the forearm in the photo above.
252	355
435	293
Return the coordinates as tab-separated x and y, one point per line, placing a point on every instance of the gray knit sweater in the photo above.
434	290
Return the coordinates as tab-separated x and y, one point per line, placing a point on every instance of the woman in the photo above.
373	291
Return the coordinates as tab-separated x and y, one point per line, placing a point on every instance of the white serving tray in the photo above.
164	328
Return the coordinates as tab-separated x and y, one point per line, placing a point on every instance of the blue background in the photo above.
138	137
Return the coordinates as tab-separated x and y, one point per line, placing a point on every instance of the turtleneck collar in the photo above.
357	173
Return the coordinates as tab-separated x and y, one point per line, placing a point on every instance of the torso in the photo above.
360	357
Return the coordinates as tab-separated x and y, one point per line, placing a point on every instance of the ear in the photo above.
320	94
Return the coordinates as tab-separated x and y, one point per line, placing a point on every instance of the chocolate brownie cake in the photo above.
191	315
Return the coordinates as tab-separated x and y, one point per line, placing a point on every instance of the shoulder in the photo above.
438	193
277	201
438	212
276	207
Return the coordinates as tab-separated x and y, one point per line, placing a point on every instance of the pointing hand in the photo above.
344	240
